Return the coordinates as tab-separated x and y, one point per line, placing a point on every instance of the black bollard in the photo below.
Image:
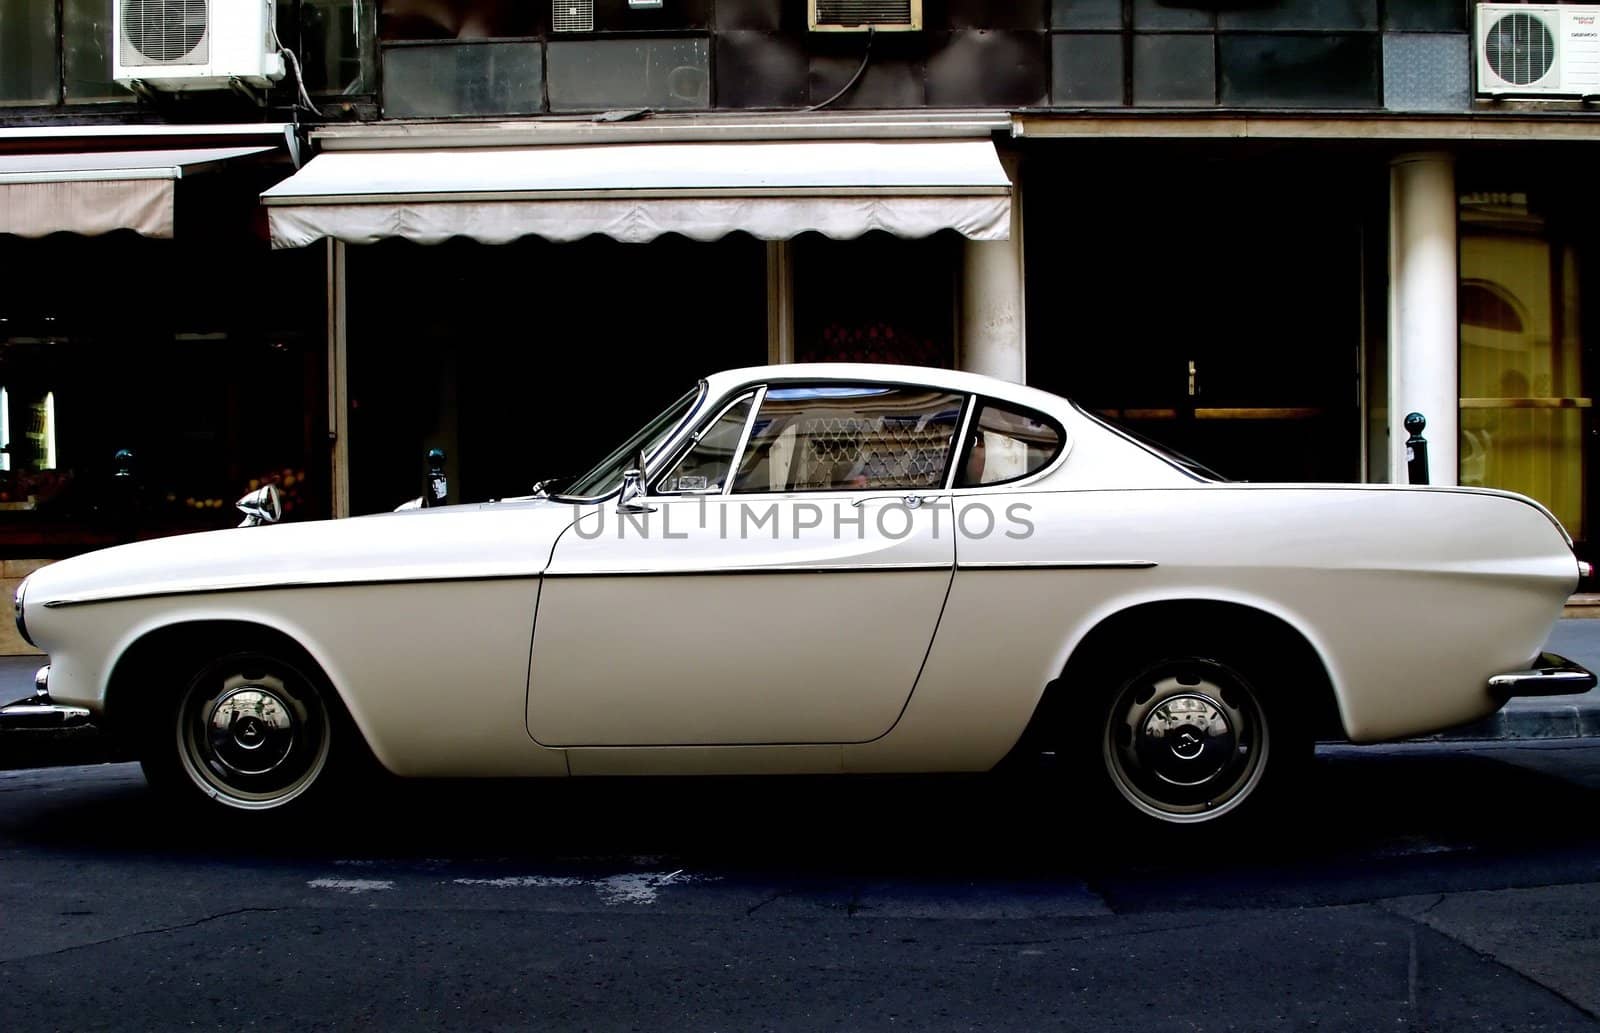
1416	449
124	500
434	492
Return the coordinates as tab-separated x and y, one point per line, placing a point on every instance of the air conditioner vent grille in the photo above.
864	12
572	15
165	30
1520	49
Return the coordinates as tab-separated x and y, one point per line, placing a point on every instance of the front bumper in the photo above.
1550	675
38	711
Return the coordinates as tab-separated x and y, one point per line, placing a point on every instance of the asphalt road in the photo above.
1440	886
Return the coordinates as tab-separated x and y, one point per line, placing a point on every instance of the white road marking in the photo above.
627	888
517	881
351	885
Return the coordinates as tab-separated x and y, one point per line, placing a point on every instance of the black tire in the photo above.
248	732
1190	735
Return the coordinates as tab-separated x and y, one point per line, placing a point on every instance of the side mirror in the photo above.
262	506
633	480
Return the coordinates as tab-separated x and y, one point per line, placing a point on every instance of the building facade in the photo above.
1259	233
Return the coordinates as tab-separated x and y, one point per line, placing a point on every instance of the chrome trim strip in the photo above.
1056	565
278	586
859	568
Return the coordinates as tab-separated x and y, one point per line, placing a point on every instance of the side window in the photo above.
704	470
1004	444
841	437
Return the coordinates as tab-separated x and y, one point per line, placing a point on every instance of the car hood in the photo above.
494	540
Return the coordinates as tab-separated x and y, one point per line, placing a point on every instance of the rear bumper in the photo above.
38	711
1550	675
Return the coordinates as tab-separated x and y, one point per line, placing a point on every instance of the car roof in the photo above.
883	372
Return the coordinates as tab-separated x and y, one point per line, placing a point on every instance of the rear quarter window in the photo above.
1007	443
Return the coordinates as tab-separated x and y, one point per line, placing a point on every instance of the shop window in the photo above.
1311	15
1174	14
28	70
1523	404
660	74
336	46
516	19
514	400
1279	70
875	299
492	78
208	409
1086	14
1425	15
1174	70
1086	69
86	52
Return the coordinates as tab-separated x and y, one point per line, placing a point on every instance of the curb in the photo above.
1582	605
1560	721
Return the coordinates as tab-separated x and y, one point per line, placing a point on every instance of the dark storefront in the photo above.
202	356
1210	299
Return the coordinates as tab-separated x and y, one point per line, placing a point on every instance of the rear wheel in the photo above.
249	731
1189	739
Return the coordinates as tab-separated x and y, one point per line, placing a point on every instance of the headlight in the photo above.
22	621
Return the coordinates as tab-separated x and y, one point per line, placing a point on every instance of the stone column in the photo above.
993	330
1423	331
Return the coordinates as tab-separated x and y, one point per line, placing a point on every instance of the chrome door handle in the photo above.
908	501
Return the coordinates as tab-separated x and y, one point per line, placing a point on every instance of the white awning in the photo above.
101	191
637	192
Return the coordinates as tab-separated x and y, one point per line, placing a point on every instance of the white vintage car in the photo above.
820	569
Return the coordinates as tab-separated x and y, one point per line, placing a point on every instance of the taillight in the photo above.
1585	574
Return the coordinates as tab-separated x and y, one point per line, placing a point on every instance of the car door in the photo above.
782	587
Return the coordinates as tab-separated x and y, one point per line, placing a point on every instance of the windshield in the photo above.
606	476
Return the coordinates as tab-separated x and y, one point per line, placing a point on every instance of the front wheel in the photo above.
247	732
1188	739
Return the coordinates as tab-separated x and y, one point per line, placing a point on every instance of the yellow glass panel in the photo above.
1522	402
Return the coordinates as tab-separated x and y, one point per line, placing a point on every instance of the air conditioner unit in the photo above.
861	15
194	44
1538	50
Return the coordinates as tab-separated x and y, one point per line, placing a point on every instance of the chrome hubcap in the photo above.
254	736
252	731
1186	741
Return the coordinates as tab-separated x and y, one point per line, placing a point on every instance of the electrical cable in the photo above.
865	57
299	77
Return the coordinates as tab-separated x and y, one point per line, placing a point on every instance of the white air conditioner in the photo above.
1538	50
194	44
861	15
